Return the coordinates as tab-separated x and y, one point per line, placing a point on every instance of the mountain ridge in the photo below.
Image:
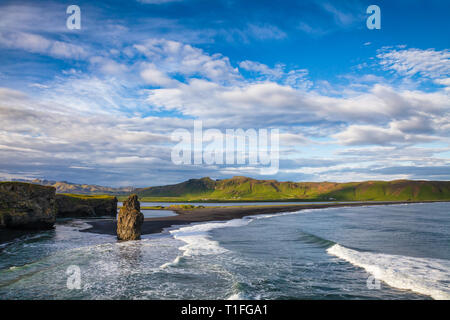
240	188
76	188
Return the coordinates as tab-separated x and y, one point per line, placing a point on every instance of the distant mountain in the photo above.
243	188
67	187
248	189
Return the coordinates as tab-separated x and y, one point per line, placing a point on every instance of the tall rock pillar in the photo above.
130	219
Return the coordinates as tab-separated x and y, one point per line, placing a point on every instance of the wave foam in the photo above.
197	239
237	296
422	275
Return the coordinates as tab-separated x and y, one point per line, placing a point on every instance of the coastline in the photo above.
207	214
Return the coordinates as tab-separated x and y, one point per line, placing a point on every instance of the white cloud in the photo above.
265	31
29	18
274	73
374	135
341	17
39	85
428	63
315	31
174	57
444	82
293	139
246	104
272	103
81	93
415	124
295	78
96	121
38	44
48	137
108	66
155	77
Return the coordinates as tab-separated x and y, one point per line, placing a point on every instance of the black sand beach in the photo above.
156	225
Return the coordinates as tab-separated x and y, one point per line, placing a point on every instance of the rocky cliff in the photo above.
26	206
130	219
85	206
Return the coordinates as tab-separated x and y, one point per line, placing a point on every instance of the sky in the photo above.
98	105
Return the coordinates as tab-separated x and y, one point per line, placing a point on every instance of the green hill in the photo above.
248	189
190	188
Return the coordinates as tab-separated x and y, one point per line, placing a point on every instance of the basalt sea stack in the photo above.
130	220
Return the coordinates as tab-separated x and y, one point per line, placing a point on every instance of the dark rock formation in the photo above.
26	206
85	206
130	220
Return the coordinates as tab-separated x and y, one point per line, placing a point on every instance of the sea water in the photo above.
370	252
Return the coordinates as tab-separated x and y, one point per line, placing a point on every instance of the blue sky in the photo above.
98	105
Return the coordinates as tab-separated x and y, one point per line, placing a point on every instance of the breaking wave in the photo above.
426	276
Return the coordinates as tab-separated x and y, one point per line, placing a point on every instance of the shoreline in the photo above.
208	214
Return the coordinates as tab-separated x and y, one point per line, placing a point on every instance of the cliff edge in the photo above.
26	206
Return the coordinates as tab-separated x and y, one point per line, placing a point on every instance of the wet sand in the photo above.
157	225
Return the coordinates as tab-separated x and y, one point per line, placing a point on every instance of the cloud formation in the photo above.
108	110
428	63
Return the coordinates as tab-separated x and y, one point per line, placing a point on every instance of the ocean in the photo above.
368	252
